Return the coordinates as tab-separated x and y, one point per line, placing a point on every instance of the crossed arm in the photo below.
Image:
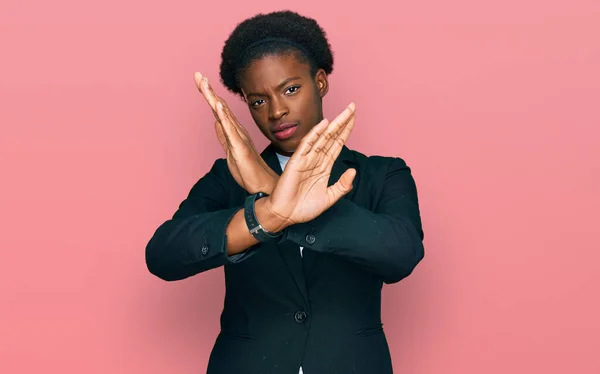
204	234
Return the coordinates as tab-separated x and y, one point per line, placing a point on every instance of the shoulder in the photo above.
218	172
216	178
379	178
377	163
383	173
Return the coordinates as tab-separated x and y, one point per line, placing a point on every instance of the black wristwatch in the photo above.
254	226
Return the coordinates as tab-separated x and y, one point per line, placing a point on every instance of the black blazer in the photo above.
320	311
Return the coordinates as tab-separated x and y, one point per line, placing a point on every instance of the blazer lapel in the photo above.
344	161
271	159
300	266
341	164
288	250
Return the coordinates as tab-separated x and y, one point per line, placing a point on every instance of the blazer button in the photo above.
204	249
310	239
300	316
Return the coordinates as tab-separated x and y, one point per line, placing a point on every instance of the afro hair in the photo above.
276	33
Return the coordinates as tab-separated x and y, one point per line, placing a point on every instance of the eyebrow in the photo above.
280	86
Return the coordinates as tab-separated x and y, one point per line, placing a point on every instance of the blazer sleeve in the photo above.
194	239
387	241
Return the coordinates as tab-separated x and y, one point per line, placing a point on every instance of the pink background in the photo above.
495	106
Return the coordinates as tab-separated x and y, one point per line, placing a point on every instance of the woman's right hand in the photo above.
246	165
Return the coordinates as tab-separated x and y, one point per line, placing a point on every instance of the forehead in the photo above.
270	71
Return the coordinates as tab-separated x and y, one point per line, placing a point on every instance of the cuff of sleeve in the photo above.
327	231
302	234
210	245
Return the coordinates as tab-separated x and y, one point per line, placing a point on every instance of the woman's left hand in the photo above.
246	165
303	192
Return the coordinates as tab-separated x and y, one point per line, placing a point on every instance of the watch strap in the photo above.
254	226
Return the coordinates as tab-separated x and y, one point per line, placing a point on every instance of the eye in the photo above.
257	102
292	90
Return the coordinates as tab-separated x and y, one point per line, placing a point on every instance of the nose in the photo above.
277	109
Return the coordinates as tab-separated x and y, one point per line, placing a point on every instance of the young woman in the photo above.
305	251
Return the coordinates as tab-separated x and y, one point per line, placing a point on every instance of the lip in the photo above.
283	126
285	130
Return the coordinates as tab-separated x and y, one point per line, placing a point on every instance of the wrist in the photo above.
271	187
268	218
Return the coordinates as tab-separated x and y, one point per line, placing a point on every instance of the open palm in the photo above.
302	192
245	164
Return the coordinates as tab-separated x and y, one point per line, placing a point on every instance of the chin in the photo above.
287	147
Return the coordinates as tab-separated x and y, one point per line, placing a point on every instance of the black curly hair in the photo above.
276	33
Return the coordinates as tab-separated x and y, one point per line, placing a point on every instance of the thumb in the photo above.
343	185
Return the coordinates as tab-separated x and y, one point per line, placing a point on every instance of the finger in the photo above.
342	186
234	122
309	139
226	119
198	79
200	83
209	94
213	99
206	91
229	129
221	136
212	92
218	99
328	137
340	140
238	127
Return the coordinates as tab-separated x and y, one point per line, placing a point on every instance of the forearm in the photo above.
188	245
182	247
206	231
389	246
238	235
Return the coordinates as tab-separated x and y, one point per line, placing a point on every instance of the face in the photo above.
284	99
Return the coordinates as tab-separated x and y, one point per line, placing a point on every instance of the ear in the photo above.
322	82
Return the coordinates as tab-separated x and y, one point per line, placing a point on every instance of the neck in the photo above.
281	152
